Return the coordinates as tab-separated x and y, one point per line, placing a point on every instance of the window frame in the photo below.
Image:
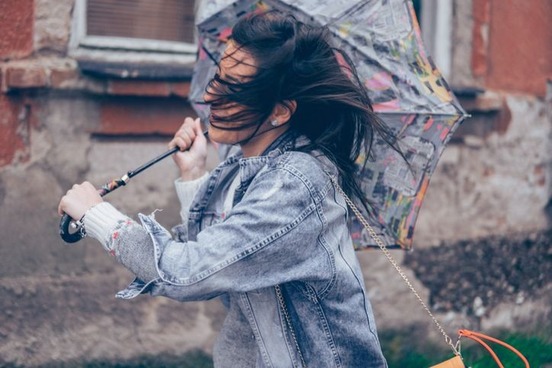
437	26
123	49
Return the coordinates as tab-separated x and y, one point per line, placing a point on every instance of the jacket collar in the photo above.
247	168
250	166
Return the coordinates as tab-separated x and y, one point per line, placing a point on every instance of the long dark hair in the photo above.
296	62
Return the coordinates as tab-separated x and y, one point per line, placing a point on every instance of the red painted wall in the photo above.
16	28
513	44
16	41
14	134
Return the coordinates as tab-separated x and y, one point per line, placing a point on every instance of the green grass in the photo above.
537	350
410	349
192	359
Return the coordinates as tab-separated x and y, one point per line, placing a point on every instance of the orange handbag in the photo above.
456	361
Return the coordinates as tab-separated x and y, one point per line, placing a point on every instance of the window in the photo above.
134	31
436	18
142	19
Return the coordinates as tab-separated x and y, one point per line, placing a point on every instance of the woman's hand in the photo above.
78	200
193	149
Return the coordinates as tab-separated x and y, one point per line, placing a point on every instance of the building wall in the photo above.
489	196
520	63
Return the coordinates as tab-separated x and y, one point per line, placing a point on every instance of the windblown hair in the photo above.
296	62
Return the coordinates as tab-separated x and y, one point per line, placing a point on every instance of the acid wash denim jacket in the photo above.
287	227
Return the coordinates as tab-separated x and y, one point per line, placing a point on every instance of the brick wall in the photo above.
512	45
60	125
14	133
16	41
16	28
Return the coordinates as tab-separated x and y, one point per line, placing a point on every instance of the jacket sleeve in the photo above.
272	236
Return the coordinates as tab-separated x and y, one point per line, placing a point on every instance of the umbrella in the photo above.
408	92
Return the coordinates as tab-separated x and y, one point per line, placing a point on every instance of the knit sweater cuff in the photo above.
185	190
101	220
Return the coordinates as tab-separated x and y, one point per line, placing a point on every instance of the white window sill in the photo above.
134	64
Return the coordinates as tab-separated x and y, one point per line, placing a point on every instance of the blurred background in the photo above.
93	88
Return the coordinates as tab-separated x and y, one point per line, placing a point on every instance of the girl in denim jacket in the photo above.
266	230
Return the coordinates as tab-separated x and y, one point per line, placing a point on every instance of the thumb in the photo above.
197	127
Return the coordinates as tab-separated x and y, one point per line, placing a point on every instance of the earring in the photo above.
274	123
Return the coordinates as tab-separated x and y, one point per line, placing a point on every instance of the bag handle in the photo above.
476	336
479	337
287	320
454	346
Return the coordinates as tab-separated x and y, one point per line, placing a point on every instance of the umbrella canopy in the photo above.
407	91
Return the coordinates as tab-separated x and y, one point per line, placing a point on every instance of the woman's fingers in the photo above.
78	200
199	132
193	148
184	143
185	135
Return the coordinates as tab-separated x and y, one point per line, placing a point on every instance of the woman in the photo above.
266	230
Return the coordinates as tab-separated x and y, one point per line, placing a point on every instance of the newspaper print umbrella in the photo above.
408	92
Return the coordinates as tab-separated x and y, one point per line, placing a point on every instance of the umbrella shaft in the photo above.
133	173
114	184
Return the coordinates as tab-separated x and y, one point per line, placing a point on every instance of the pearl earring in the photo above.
274	123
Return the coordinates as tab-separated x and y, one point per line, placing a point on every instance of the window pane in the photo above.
168	20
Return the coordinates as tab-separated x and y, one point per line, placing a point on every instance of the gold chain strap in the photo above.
381	245
288	323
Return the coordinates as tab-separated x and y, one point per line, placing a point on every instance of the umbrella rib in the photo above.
405	88
209	55
459	112
460	115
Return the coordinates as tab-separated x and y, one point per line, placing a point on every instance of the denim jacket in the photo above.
287	227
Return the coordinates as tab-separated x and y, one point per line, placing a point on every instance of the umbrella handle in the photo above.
67	223
64	225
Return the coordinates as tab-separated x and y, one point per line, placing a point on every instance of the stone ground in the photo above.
476	276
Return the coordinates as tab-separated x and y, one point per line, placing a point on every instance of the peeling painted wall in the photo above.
498	184
58	300
481	254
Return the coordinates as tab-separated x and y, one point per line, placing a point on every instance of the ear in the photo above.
283	111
